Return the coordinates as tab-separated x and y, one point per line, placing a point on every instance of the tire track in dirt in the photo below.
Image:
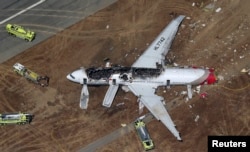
6	105
178	7
17	132
6	137
38	133
227	125
32	136
47	137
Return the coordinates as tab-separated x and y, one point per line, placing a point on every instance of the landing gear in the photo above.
189	90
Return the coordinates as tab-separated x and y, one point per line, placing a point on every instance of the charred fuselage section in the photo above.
126	73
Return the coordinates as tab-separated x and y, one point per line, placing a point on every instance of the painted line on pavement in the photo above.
22	11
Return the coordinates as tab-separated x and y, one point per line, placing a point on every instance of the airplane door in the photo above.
114	81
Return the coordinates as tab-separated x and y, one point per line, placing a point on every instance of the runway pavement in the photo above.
41	16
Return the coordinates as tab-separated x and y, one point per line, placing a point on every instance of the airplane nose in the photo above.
68	77
71	77
77	76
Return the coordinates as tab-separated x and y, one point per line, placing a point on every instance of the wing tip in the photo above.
179	139
180	18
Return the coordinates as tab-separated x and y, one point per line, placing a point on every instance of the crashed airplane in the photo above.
145	76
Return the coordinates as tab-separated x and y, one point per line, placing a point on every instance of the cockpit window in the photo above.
72	76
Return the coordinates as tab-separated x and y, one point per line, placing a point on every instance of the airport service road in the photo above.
45	17
113	136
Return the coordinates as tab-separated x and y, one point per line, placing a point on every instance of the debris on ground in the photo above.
123	125
220	77
209	7
245	70
196	118
197	89
218	10
203	95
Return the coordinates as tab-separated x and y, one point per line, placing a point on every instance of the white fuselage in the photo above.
144	76
167	76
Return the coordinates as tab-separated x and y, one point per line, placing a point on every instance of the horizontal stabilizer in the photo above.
110	95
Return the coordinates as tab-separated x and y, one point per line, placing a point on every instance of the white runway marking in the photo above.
22	11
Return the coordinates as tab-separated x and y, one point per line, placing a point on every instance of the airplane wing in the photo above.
153	102
156	52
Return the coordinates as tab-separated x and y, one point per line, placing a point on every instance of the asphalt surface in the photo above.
45	17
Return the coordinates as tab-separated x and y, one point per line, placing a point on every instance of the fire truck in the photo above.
142	132
15	118
21	32
30	75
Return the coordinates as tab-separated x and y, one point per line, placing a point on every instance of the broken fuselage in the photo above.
119	75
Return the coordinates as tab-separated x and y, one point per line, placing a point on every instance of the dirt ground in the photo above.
122	32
